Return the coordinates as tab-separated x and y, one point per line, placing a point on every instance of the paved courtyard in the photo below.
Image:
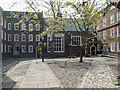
32	73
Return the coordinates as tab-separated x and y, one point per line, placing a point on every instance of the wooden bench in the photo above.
72	56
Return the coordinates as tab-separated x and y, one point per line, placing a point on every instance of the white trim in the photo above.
5	35
23	49
113	16
118	46
2	21
111	31
5	23
62	43
9	37
38	26
104	22
5	48
30	27
9	48
9	27
80	41
23	26
118	31
15	26
30	37
23	35
15	37
111	47
118	16
30	47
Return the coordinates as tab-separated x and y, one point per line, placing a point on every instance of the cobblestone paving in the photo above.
98	76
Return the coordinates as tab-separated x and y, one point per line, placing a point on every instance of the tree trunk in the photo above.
81	54
86	49
52	47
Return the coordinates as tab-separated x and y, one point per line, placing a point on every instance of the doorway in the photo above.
93	50
16	50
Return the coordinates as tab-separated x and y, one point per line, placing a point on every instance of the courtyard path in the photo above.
39	75
99	75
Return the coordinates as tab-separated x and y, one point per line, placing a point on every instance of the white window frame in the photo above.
23	50
9	48
30	27
112	48
118	30
113	32
104	22
9	26
9	37
37	37
30	37
15	37
2	21
98	26
5	24
77	41
23	35
2	34
118	48
38	26
15	26
118	16
30	46
5	35
112	19
62	43
104	34
23	26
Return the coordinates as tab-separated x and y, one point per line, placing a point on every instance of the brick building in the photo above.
109	32
21	39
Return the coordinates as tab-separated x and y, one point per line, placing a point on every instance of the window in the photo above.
112	46
118	46
23	48
76	40
58	43
104	22
9	26
16	37
104	34
118	31
5	36
23	37
112	19
37	27
5	24
16	26
98	26
9	37
112	32
9	48
2	34
23	26
30	37
30	27
30	48
118	16
1	20
37	37
4	48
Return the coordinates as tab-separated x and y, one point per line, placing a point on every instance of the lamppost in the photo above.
42	49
